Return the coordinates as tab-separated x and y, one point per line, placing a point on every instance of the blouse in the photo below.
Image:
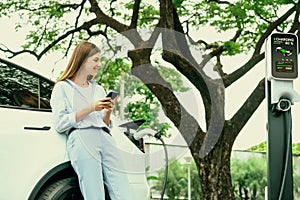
67	99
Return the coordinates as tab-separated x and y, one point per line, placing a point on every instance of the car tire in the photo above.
64	189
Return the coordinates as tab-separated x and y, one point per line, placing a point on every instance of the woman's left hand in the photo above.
111	105
109	108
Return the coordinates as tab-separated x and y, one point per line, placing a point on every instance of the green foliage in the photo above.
252	17
147	110
178	181
47	21
51	19
249	178
296	149
263	148
296	182
110	73
147	106
47	18
173	78
232	48
150	14
177	3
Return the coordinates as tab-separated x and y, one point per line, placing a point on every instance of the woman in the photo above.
81	110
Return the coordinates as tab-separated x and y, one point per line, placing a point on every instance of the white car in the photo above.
33	159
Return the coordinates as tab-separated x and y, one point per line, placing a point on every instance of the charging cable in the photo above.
283	107
158	136
287	121
155	134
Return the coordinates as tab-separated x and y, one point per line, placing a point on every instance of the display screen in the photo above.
285	66
284	55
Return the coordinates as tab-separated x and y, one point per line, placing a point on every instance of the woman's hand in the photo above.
105	103
108	104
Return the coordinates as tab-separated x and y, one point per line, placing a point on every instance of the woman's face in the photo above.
91	65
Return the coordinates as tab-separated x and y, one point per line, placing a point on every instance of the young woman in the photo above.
81	110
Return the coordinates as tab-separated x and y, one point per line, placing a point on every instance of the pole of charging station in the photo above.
279	151
281	70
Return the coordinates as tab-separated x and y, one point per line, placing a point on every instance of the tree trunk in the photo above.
214	171
211	150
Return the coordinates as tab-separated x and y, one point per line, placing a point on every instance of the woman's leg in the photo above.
87	167
115	176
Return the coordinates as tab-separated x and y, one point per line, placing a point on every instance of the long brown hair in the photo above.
82	51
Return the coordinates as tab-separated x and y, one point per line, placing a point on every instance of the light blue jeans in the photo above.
95	158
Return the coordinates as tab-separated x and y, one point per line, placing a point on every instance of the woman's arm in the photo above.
63	117
80	115
106	117
99	105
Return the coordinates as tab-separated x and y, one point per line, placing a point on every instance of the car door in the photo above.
28	144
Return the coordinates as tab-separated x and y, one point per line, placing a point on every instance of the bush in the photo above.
249	178
177	185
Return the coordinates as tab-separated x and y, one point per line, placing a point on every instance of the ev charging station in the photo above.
281	70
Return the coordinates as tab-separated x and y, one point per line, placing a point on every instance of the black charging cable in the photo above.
158	136
283	108
288	126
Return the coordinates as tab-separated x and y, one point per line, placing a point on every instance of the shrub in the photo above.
249	178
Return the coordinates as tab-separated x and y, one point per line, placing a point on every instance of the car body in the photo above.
33	157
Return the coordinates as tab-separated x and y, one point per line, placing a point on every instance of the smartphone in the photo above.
112	94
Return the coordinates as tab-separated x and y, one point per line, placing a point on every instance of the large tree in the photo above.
58	25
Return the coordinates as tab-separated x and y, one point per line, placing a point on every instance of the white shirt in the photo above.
67	99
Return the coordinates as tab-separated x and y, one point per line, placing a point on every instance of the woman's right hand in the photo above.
105	103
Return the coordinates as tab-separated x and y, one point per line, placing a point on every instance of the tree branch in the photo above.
241	117
256	57
133	36
13	53
84	26
177	52
295	24
135	14
76	25
173	109
229	79
43	33
220	2
105	19
74	6
270	29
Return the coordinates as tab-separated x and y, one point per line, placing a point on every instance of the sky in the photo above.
253	133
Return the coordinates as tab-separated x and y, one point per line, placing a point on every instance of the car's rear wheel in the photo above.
64	189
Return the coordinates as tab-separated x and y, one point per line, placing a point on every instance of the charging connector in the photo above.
283	105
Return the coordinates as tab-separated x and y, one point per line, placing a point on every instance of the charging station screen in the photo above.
284	56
